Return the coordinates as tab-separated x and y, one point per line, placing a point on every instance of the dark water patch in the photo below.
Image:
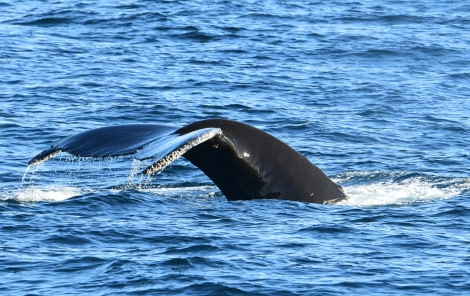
197	61
43	21
237	51
370	219
68	239
210	288
240	107
383	19
442	122
423	51
193	33
82	264
130	19
406	19
132	6
463	75
372	113
177	263
195	249
308	260
180	240
352	138
381	53
118	266
458	211
213	218
92	84
327	229
54	18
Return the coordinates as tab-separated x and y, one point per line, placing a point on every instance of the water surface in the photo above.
374	93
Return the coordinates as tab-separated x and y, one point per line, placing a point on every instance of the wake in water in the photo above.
362	188
399	188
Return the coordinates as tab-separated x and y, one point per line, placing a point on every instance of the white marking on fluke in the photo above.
159	165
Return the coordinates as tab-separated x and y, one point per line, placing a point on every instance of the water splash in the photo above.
33	194
28	168
171	191
407	191
363	188
135	178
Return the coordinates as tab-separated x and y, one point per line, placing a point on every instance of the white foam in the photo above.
37	194
210	190
399	193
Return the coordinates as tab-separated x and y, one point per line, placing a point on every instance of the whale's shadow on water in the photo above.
243	161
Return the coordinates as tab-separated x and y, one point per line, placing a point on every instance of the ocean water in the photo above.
376	93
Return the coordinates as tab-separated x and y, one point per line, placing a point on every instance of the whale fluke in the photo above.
243	161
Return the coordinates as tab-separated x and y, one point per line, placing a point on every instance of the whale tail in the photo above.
243	161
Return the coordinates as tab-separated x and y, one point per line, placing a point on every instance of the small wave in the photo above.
410	190
37	194
46	20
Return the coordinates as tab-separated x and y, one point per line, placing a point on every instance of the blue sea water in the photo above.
376	93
